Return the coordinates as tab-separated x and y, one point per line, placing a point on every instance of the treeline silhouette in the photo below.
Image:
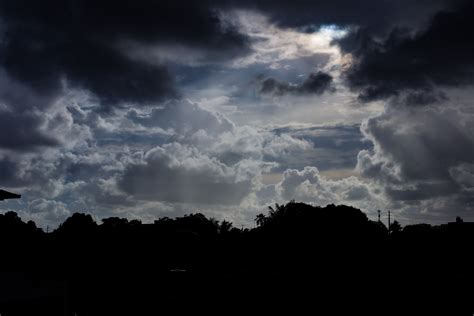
299	259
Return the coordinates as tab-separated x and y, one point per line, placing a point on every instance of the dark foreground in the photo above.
301	260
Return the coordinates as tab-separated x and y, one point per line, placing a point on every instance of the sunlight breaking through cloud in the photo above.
274	46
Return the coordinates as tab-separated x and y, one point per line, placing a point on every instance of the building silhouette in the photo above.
5	195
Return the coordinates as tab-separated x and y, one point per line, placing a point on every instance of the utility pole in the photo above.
389	221
378	212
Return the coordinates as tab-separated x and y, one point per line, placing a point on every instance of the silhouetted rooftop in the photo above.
4	195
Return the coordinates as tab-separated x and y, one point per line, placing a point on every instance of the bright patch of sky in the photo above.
275	46
288	55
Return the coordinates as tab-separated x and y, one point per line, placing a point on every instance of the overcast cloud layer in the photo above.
163	108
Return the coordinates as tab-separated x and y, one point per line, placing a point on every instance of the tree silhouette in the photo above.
78	223
195	264
260	219
225	227
395	227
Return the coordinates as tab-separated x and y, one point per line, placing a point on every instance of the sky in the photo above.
148	109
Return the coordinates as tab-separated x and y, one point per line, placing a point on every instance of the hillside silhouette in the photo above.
299	259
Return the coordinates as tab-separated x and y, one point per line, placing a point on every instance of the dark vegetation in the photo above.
299	260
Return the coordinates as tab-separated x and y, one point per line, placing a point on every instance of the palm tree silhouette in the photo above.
260	219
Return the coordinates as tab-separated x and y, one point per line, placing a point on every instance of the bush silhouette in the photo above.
298	257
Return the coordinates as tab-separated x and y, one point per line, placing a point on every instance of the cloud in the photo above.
48	210
192	157
416	62
316	83
9	171
422	157
208	160
277	47
333	147
91	46
94	116
36	130
178	173
463	174
425	148
82	44
310	186
182	117
380	16
24	131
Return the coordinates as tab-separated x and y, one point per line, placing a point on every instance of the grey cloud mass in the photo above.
422	156
27	130
417	61
177	173
167	107
316	83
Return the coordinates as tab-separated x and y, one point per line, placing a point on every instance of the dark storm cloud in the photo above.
22	132
83	41
44	42
379	15
440	55
315	83
9	170
425	97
